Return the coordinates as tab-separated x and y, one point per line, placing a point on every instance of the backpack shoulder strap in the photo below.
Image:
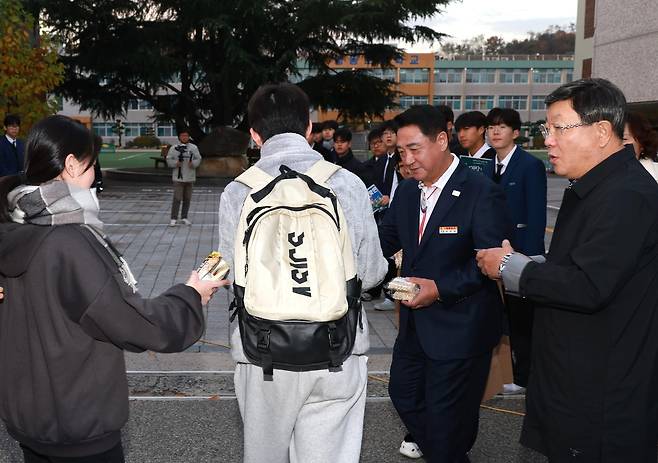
254	177
322	170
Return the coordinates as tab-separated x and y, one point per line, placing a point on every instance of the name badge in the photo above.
448	230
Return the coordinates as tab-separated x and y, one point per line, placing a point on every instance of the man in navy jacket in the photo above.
523	178
440	218
11	149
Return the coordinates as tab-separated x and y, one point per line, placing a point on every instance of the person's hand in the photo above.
489	259
427	295
205	288
2	293
385	200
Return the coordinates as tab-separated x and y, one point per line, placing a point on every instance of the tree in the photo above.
29	67
198	61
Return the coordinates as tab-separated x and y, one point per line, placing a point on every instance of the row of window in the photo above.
505	76
478	102
469	76
134	129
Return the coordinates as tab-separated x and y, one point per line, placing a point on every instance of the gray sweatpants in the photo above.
307	417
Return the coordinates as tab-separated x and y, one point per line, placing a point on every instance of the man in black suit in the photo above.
345	157
315	140
11	148
592	390
441	358
471	127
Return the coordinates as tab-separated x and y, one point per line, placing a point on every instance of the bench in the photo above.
164	149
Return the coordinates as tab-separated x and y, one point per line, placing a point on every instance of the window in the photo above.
514	76
388	74
413	59
448	76
409	100
139	105
478	102
354	59
454	101
518	102
135	129
538	103
103	129
339	61
414	75
547	76
569	75
480	76
166	130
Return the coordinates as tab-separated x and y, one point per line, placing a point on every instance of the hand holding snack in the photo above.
402	289
205	288
213	267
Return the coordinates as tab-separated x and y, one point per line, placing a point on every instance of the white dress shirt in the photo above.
479	153
432	195
505	161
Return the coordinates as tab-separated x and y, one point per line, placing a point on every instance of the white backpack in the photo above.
297	294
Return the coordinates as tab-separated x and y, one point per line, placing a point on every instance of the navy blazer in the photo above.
467	321
11	159
524	183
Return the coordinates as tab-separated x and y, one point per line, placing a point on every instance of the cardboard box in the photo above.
500	371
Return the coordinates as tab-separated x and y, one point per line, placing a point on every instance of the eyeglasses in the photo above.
497	128
547	132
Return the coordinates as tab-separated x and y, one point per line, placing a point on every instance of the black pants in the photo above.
114	455
521	315
438	400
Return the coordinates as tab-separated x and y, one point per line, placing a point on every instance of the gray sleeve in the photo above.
230	206
371	266
512	272
196	156
172	157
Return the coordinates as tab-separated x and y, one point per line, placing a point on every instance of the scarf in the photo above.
54	203
60	203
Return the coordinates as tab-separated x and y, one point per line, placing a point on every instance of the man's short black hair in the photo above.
447	112
12	119
343	133
389	125
594	100
278	108
375	133
316	127
508	116
471	119
182	130
330	124
429	119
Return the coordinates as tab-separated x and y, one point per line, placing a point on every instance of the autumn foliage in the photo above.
29	67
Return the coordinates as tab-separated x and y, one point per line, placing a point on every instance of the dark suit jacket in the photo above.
524	183
378	173
595	347
11	159
489	154
467	321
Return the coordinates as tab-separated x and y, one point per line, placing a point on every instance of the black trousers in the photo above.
114	455
438	400
521	313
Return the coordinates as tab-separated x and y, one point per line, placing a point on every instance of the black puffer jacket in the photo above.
67	316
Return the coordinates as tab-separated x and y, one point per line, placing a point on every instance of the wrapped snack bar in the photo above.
402	289
213	267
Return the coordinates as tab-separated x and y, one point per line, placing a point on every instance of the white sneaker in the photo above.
410	449
513	389
172	223
186	222
385	305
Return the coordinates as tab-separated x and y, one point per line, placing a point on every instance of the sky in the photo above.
511	19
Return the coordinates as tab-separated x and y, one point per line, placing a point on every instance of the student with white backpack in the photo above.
301	240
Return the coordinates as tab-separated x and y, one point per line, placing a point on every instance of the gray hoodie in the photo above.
294	151
187	171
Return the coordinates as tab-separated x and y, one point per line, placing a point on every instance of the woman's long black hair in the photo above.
49	142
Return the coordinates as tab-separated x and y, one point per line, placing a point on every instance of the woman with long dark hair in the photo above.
639	133
71	306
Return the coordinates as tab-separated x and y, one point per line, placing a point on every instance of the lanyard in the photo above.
423	209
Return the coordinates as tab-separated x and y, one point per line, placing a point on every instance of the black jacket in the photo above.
65	321
349	162
592	389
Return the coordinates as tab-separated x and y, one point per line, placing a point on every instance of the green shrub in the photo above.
144	141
